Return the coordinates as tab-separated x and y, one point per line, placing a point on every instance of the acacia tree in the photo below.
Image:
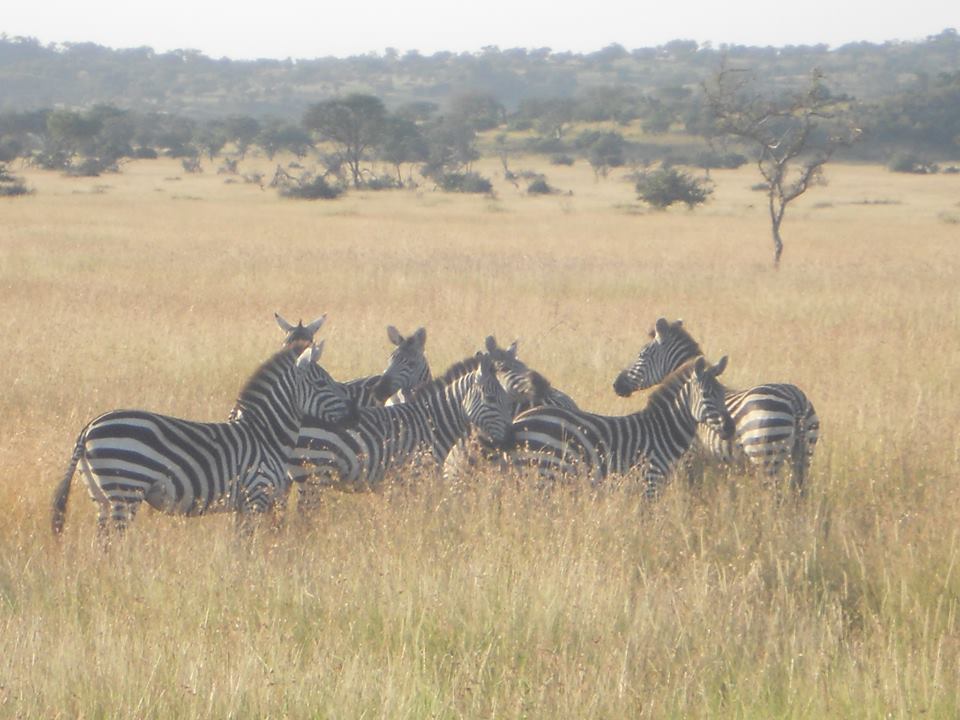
352	124
794	134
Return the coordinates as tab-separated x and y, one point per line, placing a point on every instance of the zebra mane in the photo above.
285	356
672	382
540	387
453	373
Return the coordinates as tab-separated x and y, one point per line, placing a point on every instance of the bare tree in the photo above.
794	134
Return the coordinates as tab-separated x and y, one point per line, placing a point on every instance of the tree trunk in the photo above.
777	207
777	246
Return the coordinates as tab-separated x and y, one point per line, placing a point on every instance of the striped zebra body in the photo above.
559	441
527	389
128	457
359	456
776	423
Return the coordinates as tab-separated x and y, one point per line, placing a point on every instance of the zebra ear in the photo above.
699	367
662	326
719	367
490	343
394	335
486	365
421	337
284	325
512	350
316	325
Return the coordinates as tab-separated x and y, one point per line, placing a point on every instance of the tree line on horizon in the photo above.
905	95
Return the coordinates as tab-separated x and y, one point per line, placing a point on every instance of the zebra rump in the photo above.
128	457
776	423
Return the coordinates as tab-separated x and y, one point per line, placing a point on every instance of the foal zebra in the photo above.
406	369
775	422
558	441
359	455
189	468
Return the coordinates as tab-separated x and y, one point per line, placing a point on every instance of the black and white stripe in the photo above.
527	389
558	441
190	468
360	454
406	369
776	423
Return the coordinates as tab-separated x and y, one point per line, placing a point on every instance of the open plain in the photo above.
155	289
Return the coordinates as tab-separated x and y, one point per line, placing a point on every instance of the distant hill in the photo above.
35	76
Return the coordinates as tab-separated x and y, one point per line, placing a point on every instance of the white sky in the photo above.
301	29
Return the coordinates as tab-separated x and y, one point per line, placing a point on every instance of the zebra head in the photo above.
408	366
670	346
705	397
526	387
322	397
299	336
487	405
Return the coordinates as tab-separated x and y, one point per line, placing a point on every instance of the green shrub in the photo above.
911	163
314	189
464	182
539	187
720	161
666	186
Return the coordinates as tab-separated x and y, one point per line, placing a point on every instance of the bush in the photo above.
313	189
910	163
666	186
91	167
561	159
466	182
546	145
145	153
720	161
383	182
13	189
539	187
11	185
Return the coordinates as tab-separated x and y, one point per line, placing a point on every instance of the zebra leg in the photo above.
808	431
115	515
309	497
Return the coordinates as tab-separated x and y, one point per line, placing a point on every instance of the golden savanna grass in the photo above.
722	599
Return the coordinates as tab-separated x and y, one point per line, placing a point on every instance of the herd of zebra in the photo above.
293	424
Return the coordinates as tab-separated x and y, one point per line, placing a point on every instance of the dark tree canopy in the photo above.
352	125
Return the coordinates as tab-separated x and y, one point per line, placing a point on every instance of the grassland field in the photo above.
155	289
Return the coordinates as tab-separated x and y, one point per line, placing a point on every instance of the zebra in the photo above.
527	389
558	441
359	455
774	422
406	369
190	468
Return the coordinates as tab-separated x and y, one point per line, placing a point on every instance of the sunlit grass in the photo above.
724	598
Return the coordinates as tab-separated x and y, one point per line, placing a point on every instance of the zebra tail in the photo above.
62	493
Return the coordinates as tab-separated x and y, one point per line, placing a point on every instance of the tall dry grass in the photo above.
489	600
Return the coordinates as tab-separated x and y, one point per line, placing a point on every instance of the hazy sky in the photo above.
298	29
